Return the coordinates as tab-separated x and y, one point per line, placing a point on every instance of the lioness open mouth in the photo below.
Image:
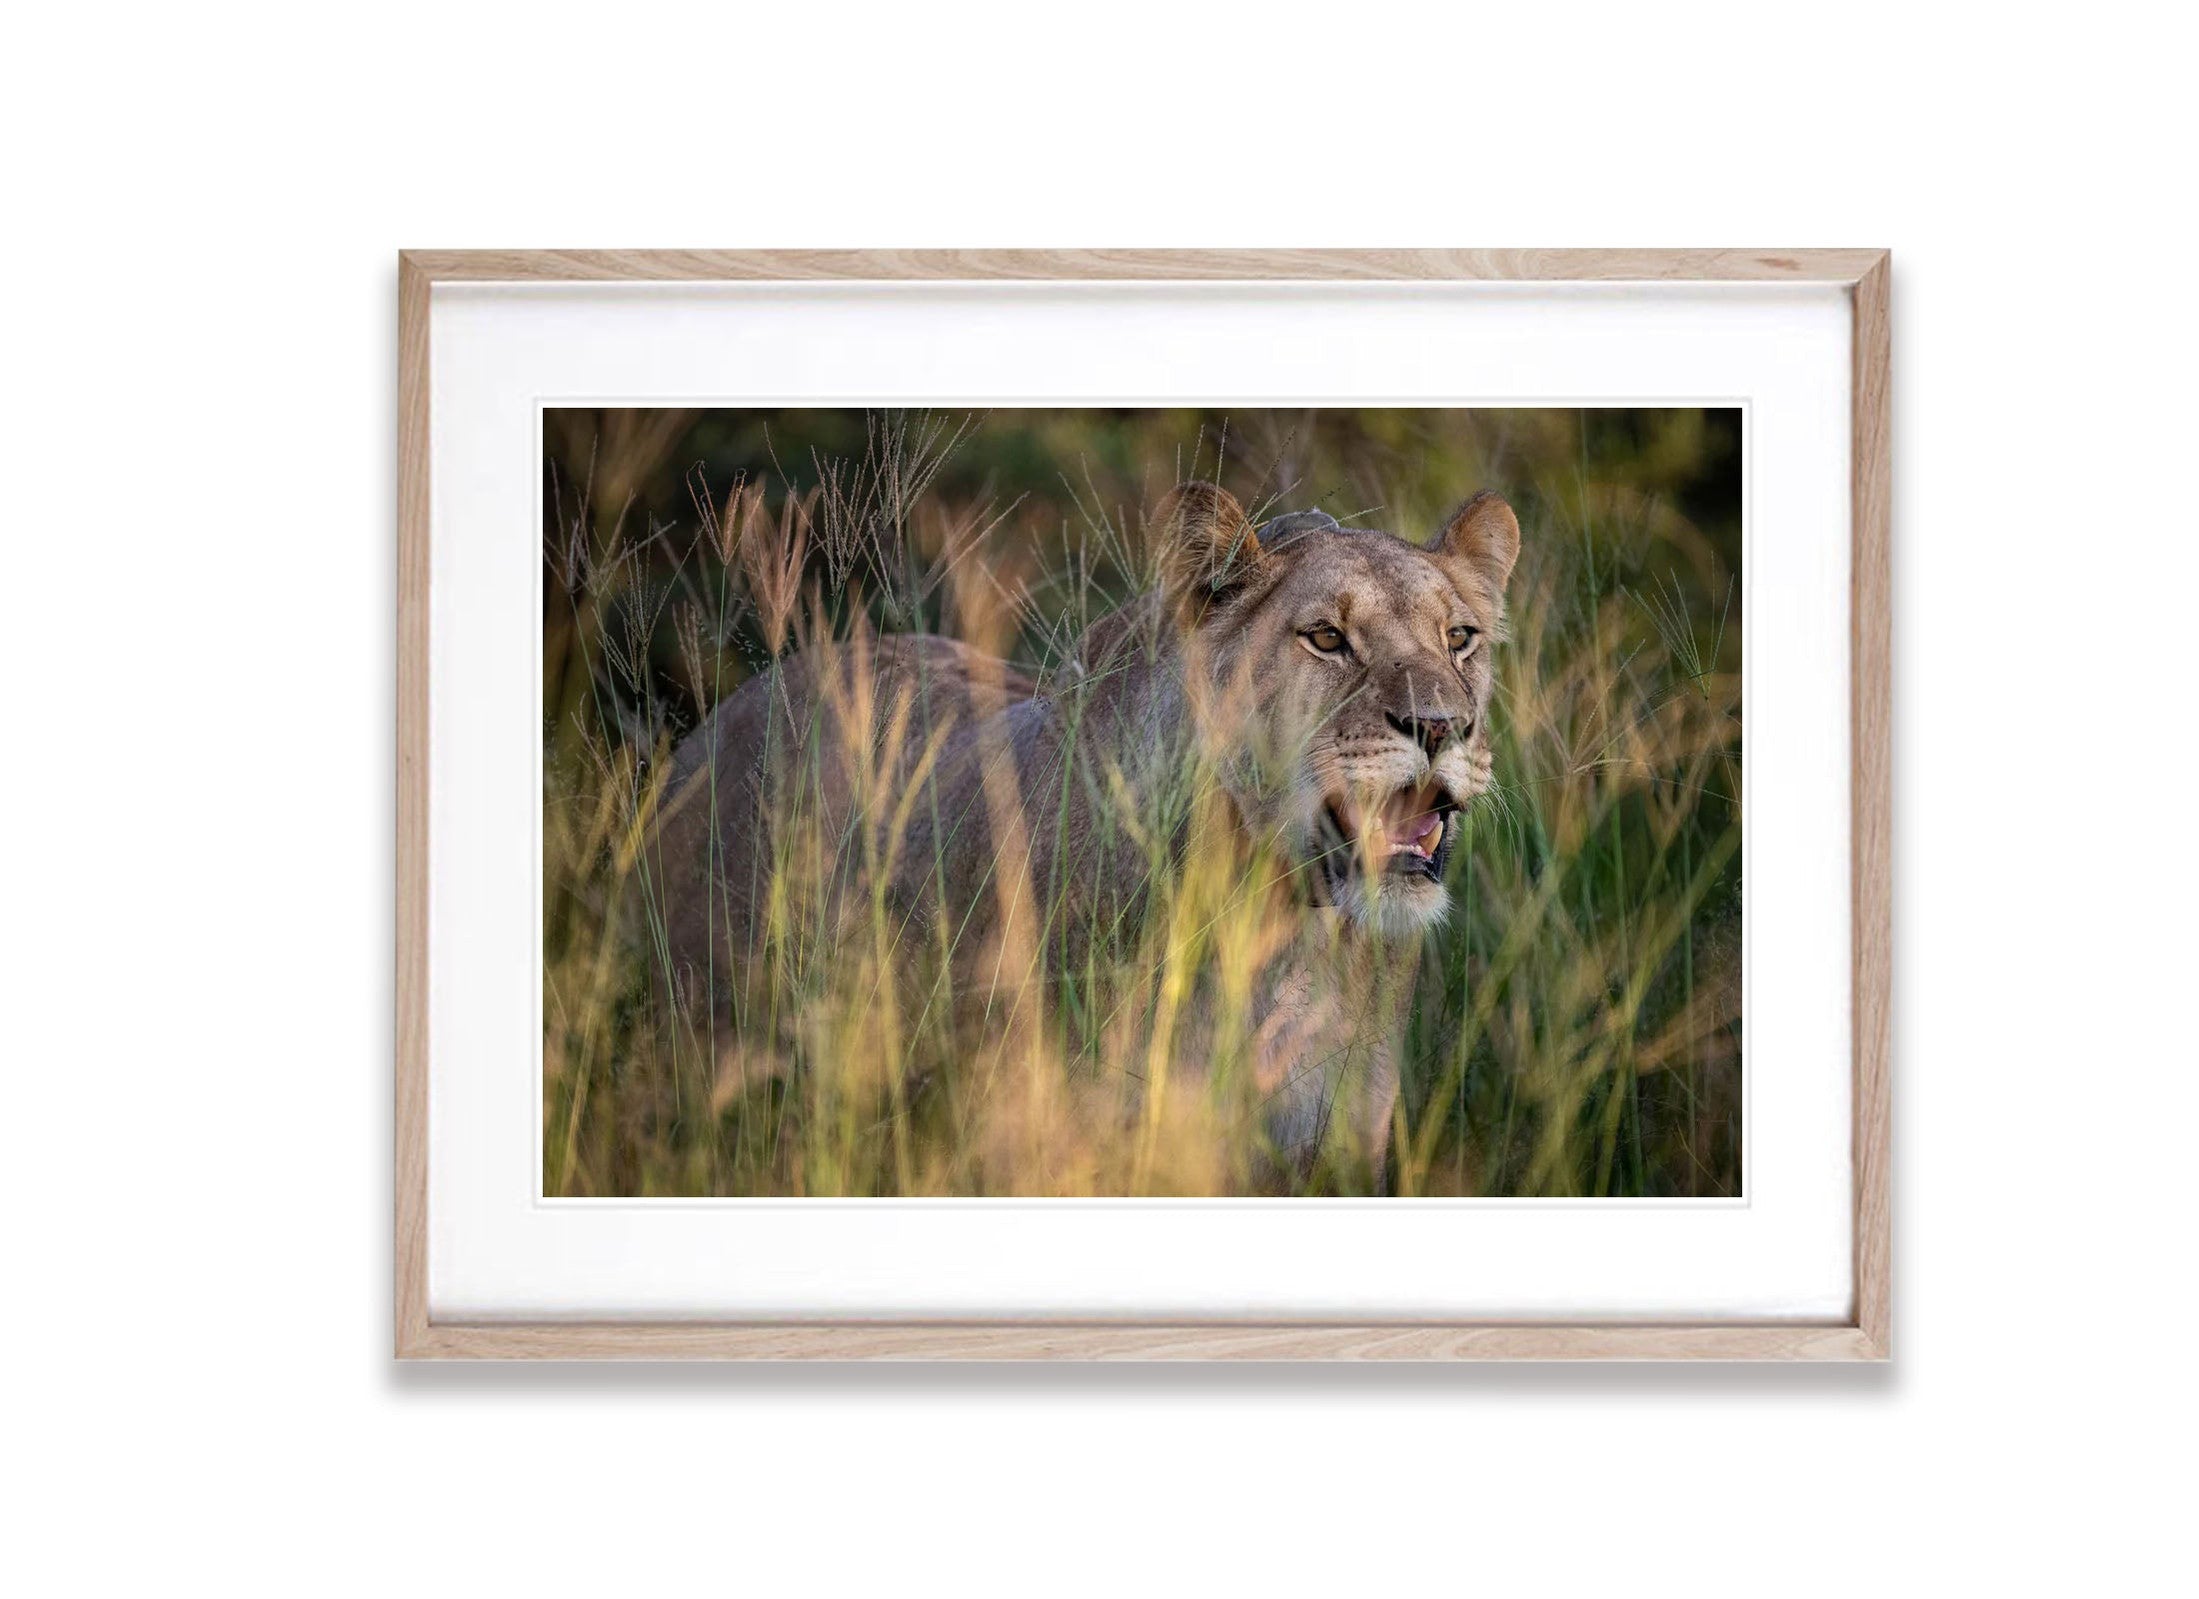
1405	835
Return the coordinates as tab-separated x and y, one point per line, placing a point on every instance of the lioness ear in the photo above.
1484	535
1206	543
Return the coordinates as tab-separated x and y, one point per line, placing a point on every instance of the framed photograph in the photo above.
1130	804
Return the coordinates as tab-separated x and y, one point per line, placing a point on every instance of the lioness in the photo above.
1331	685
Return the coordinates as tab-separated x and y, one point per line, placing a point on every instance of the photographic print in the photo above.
1227	802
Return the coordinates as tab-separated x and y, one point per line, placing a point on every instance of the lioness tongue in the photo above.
1411	822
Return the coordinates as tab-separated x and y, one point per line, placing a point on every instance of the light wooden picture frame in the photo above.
1862	1335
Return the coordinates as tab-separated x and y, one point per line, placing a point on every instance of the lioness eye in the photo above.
1462	638
1328	640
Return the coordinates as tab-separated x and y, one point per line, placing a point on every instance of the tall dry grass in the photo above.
1576	1022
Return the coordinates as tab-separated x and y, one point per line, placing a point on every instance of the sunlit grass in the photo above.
1575	1027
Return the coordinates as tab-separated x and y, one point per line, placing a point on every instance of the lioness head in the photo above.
1342	678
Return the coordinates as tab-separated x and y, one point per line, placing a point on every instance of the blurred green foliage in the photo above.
1579	1029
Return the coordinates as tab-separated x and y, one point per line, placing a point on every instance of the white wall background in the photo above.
199	360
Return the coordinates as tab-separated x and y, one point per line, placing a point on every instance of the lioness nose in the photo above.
1429	732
